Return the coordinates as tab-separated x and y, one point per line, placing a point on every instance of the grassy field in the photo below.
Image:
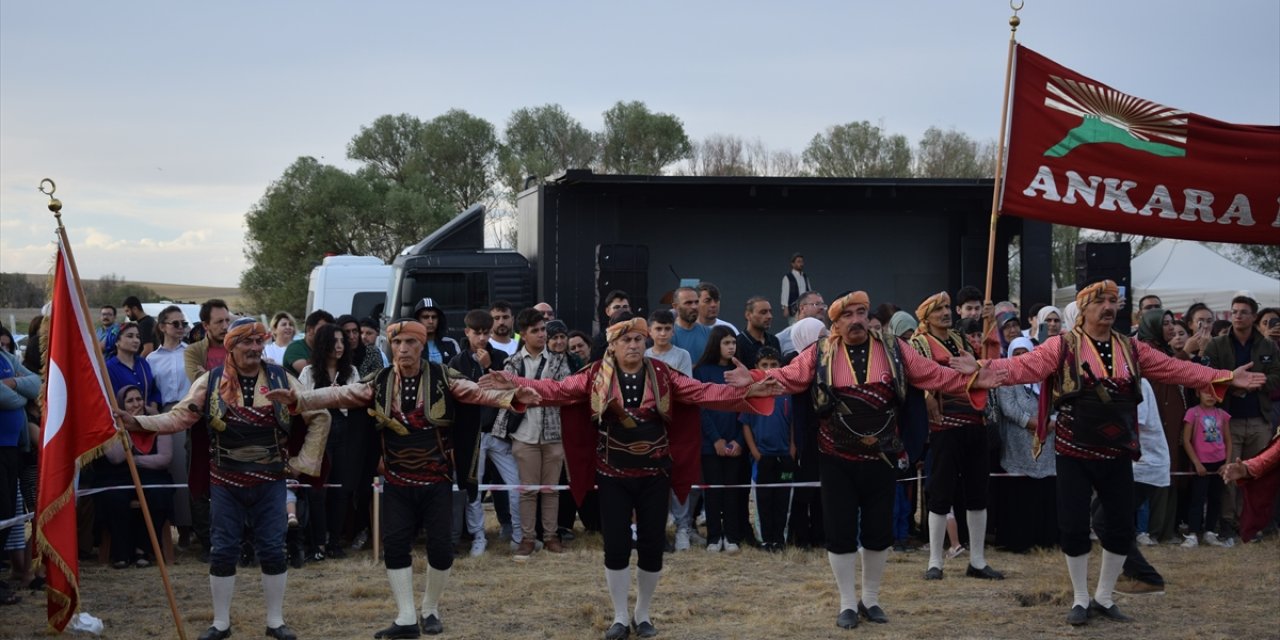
1211	593
174	292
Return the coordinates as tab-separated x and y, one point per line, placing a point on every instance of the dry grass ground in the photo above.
1212	593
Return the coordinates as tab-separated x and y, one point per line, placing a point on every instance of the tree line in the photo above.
19	291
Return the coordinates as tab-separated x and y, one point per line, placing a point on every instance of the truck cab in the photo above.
349	284
452	267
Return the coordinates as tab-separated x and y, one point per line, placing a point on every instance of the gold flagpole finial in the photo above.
1014	20
48	187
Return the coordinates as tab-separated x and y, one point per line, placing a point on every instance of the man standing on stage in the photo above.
250	461
859	385
1092	378
957	445
414	405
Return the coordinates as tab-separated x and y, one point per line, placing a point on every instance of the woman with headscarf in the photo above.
1048	324
151	454
1070	315
1030	517
127	367
1155	327
804	525
1007	329
903	325
803	334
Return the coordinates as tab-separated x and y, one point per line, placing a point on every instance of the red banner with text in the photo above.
1086	155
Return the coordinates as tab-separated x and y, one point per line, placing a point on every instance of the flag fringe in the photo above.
47	551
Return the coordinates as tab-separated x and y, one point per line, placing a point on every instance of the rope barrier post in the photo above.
375	524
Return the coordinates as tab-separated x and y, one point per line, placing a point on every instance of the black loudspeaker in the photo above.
625	267
1107	261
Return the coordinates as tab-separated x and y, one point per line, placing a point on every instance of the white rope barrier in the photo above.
16	520
564	487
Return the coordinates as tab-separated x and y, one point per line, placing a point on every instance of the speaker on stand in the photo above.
624	267
1108	261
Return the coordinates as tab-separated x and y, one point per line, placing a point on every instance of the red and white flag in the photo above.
77	421
1084	154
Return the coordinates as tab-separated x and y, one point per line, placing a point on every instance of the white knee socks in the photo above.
872	571
437	580
1078	568
937	538
842	565
273	594
222	588
619	581
402	589
977	521
646	584
1112	565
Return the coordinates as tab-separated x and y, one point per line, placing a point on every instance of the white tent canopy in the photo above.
1184	272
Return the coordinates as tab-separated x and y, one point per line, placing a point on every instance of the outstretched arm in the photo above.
179	418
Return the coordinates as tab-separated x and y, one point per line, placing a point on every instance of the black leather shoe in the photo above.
1078	616
1111	613
873	613
985	573
617	631
645	629
212	633
399	631
934	573
847	619
282	632
431	625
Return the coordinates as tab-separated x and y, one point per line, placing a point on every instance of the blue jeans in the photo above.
261	507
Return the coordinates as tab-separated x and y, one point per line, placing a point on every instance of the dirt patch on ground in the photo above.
1211	593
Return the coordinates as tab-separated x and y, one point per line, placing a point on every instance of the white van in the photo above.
349	284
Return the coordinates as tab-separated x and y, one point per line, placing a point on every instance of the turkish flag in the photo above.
77	422
1086	155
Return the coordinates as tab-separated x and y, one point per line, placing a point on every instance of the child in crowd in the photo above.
662	325
771	441
1206	437
722	448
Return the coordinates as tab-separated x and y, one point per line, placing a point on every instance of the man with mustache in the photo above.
957	444
414	403
248	434
1091	377
631	427
859	384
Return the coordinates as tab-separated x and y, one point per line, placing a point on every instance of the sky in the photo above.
163	123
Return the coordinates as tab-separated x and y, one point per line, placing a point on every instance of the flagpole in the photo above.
1014	21
55	205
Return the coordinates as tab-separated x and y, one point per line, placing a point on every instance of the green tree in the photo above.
390	147
459	157
541	142
950	154
315	209
858	150
1263	258
639	141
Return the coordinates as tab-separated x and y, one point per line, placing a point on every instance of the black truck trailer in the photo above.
900	240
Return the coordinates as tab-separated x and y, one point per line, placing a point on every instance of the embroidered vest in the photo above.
248	439
821	390
414	446
638	440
